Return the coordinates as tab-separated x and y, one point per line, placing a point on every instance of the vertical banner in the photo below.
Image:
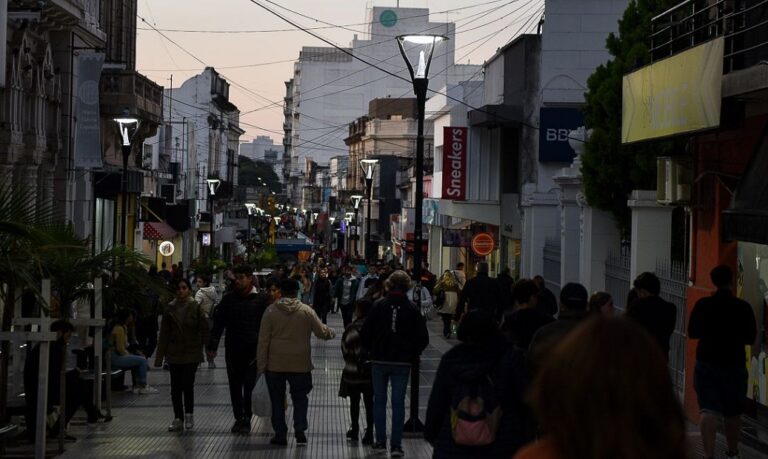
455	163
87	134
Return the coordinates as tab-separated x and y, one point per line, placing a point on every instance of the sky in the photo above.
257	50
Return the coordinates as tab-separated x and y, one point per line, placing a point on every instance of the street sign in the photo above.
483	244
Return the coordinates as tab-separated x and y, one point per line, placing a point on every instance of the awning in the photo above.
747	218
158	231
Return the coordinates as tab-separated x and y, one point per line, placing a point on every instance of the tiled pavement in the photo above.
139	428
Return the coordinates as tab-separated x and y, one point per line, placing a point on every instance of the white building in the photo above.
573	46
330	88
200	140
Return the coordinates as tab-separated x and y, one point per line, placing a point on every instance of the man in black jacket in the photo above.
395	335
481	292
724	326
240	313
654	314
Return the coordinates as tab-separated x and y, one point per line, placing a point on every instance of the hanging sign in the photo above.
166	248
455	163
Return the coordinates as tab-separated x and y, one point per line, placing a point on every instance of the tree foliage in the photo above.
611	170
250	171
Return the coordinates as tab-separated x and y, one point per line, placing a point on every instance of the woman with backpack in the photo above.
183	332
356	377
476	406
446	299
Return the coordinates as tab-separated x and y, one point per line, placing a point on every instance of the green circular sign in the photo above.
388	18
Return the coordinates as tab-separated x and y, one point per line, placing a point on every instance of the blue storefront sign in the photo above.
554	126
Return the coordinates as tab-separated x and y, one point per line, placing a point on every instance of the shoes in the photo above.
236	427
211	365
245	426
94	418
278	440
368	437
176	426
301	439
67	437
146	390
352	434
189	421
166	366
397	452
379	447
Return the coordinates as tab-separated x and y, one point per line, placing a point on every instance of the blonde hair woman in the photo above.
447	298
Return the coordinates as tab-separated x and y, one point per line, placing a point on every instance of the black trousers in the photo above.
241	372
183	388
146	335
322	313
346	313
366	393
78	393
447	318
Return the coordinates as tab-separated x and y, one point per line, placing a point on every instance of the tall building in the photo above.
330	89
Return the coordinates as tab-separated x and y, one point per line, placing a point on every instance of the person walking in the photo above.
620	403
461	276
284	356
395	335
573	309
481	364
481	292
344	291
321	295
724	326
545	301
356	376
239	313
206	297
183	333
506	282
446	299
520	326
653	313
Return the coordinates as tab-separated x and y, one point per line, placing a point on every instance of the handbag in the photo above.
261	404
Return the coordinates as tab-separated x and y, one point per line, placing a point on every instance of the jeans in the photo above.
381	375
346	313
136	363
301	385
183	385
241	372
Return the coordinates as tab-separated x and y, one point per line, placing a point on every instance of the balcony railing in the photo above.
743	23
127	88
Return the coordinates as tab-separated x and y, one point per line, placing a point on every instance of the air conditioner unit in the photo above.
674	177
168	191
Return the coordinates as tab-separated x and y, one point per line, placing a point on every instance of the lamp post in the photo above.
356	198
125	124
426	46
213	185
368	166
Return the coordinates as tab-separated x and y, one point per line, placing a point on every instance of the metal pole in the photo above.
367	248
420	88
124	191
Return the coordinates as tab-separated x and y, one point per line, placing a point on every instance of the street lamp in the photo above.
128	127
252	209
368	166
213	185
425	44
356	198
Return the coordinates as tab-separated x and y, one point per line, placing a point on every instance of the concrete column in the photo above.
599	235
570	226
651	231
540	214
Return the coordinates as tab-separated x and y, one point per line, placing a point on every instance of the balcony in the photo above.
743	24
121	89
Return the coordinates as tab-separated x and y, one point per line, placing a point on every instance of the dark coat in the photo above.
505	286
724	325
321	295
510	375
357	370
521	325
546	302
482	292
183	333
241	317
395	331
657	316
338	289
548	336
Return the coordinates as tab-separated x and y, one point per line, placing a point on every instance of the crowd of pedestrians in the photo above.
530	376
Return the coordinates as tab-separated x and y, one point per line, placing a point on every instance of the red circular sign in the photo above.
483	244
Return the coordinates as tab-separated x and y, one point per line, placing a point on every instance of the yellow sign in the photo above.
679	94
